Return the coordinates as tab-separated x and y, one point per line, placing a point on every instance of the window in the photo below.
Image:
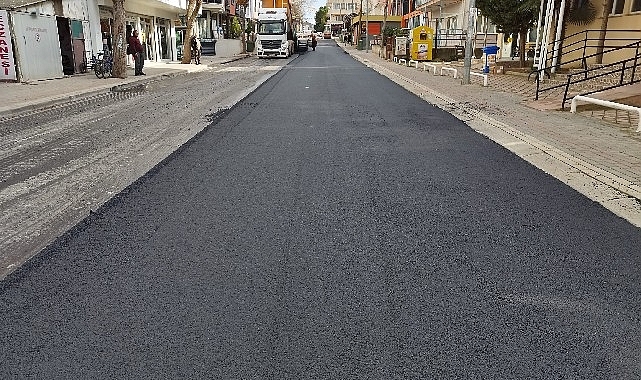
617	7
451	24
636	6
275	27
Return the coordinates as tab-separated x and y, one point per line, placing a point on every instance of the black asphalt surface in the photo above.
333	226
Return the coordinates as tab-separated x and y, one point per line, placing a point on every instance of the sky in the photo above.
310	11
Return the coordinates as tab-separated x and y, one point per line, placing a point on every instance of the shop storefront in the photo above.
156	32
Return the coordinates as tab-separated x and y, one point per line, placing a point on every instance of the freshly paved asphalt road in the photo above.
332	225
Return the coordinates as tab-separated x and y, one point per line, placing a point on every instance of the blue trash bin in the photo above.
489	50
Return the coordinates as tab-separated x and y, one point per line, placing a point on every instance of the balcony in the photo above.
216	6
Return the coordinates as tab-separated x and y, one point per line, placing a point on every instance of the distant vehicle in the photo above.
319	34
301	44
327	33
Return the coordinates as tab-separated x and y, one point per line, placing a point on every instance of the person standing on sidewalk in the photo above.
136	48
196	49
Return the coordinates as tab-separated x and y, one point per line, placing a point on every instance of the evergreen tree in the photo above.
512	17
321	19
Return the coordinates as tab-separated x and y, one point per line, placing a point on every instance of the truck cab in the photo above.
274	37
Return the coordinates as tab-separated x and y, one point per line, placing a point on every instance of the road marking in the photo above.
248	68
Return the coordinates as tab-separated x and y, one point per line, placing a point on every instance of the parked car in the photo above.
301	44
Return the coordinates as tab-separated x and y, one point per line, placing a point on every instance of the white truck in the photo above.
274	37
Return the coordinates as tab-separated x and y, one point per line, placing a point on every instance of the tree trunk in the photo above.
243	24
360	23
242	33
607	6
383	37
118	42
193	6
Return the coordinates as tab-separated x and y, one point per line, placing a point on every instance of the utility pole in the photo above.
467	66
367	28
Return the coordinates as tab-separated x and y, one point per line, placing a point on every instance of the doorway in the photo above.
66	49
164	51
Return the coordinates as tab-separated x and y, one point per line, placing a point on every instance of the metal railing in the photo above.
618	68
589	74
449	38
585	42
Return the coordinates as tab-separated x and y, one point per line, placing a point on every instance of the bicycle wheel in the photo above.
98	69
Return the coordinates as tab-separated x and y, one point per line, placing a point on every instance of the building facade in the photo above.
155	21
623	28
53	38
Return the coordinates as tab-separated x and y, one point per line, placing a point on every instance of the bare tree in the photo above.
383	27
193	7
296	7
118	41
360	22
243	24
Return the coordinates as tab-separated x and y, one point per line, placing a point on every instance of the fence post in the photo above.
636	61
585	42
565	94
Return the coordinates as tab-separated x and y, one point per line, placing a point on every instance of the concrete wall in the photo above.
228	47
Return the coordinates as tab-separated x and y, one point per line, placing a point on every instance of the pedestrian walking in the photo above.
138	52
314	41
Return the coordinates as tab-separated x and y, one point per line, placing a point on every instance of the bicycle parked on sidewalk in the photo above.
103	64
88	62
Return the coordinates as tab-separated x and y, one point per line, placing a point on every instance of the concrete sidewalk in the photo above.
598	158
21	97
